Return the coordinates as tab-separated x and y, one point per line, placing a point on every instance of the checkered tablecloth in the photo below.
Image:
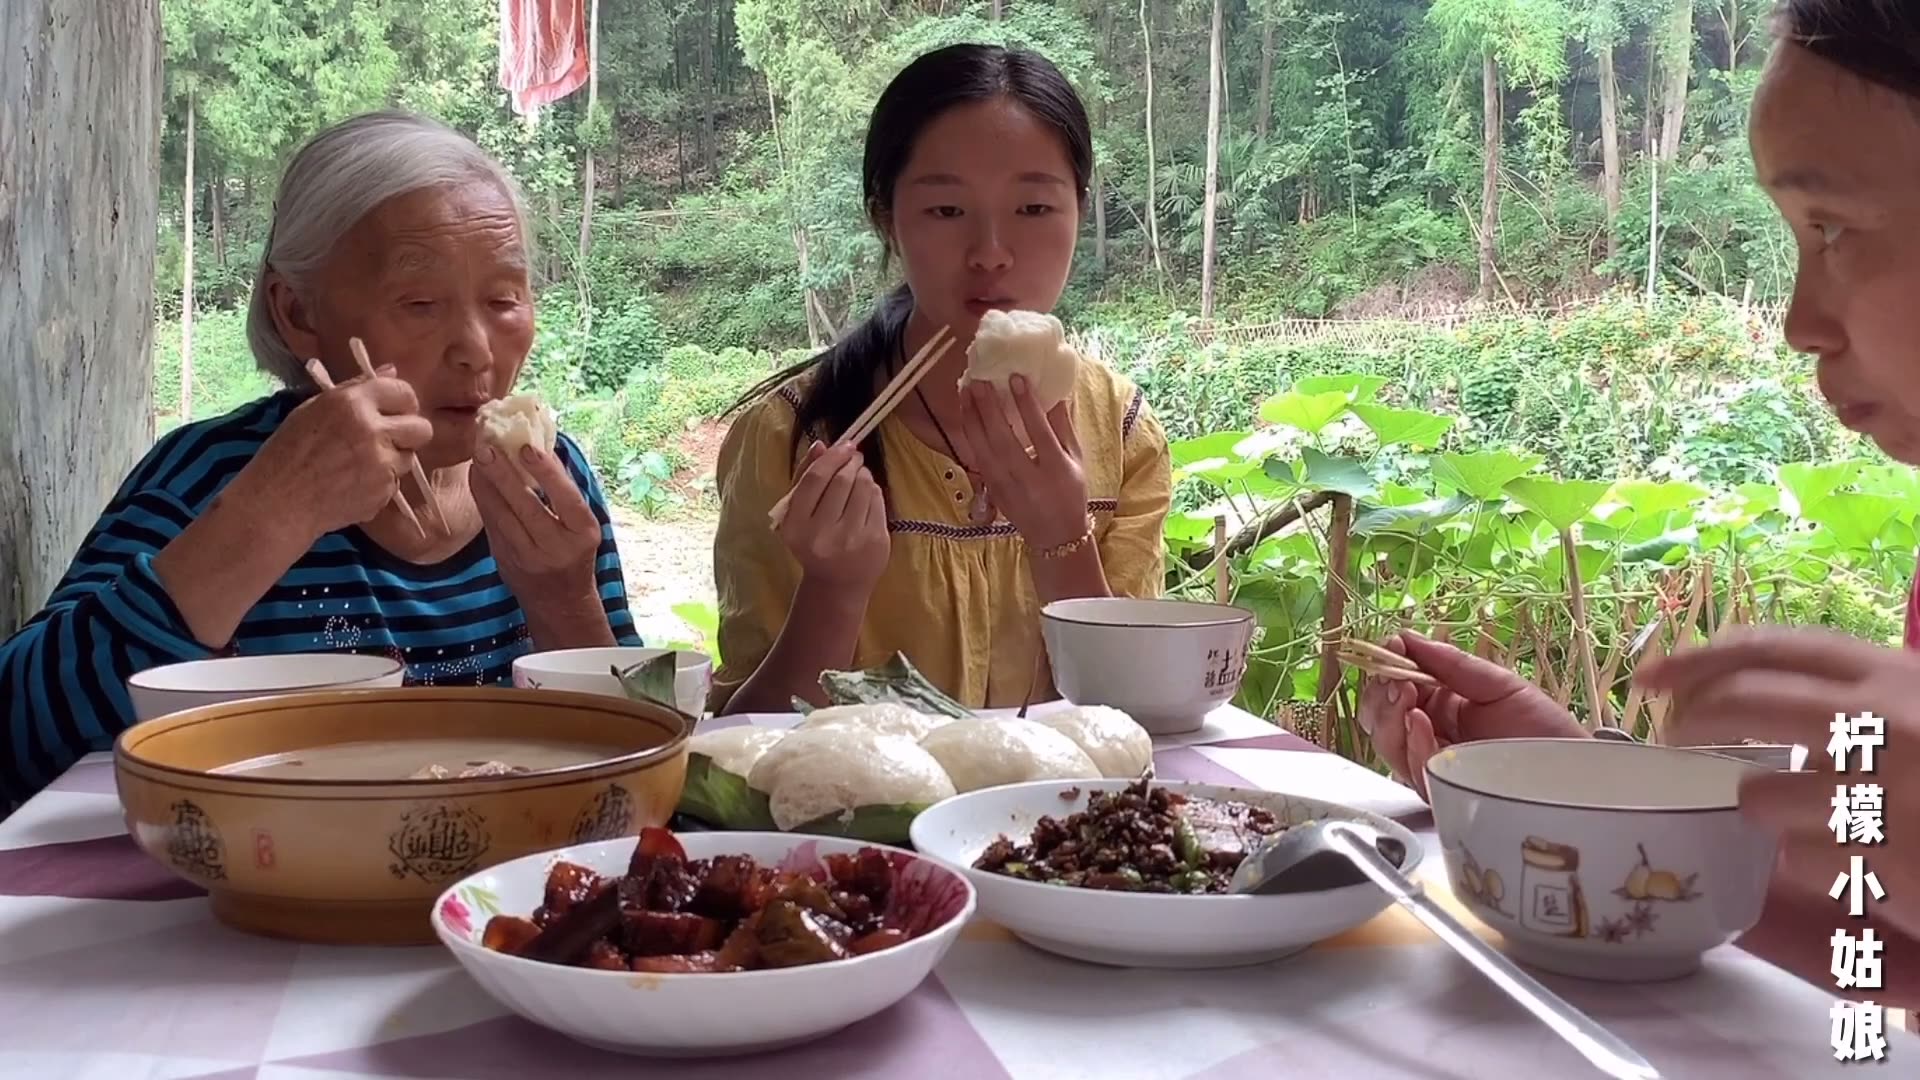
112	968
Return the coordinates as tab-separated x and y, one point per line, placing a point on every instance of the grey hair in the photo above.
336	179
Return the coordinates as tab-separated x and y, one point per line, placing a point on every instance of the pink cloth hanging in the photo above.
543	51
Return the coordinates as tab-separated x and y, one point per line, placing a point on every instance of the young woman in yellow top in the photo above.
940	536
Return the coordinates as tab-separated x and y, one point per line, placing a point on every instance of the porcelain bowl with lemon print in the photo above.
1604	860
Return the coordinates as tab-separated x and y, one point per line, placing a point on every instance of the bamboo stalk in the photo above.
1487	645
1334	615
1630	713
1222	587
1702	584
1582	633
1611	673
1750	596
1543	671
1658	712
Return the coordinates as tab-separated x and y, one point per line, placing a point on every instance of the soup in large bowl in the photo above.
339	816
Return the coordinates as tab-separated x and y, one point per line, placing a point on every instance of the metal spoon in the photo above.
1309	858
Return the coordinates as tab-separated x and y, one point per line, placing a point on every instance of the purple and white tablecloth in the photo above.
112	968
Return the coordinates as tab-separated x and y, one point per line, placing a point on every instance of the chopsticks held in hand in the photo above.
419	474
883	404
318	373
432	501
1383	663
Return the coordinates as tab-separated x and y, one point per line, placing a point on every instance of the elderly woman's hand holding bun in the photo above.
544	536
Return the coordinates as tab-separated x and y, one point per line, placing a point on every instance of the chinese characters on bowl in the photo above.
1166	663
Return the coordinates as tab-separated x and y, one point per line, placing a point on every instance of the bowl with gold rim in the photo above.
1618	861
338	816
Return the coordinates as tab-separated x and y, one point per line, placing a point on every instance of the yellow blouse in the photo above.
956	598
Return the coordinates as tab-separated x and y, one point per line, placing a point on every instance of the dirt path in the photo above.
667	562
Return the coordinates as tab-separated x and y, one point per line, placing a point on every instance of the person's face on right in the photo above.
1840	157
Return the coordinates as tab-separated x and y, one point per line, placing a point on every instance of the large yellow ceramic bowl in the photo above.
304	816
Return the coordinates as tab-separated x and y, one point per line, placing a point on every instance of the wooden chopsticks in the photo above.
883	404
419	474
318	373
1384	663
897	390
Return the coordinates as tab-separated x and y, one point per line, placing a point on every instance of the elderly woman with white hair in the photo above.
274	529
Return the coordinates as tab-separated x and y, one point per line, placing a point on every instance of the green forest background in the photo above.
1463	312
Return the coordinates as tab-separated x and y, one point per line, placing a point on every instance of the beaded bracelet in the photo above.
1061	551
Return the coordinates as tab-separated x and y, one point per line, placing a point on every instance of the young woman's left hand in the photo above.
1788	685
1043	494
547	557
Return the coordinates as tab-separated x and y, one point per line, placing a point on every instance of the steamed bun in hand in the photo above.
1025	343
516	421
983	753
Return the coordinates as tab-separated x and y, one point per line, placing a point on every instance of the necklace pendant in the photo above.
980	511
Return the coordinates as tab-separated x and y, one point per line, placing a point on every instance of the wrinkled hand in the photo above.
836	520
1476	699
1787	685
338	457
547	550
1043	493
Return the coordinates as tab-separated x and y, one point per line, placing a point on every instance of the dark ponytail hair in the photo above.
843	384
1876	40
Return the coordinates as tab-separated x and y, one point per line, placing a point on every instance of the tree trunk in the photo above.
79	151
1730	17
1653	230
217	216
679	111
586	170
1650	104
1609	142
996	10
1153	186
1263	109
1679	69
614	171
1210	206
795	224
1099	197
186	275
1103	51
556	269
710	152
1492	116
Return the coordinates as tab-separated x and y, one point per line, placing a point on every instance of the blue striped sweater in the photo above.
63	675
